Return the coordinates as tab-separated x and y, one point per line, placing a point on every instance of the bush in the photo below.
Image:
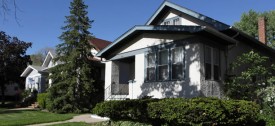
135	110
204	111
179	111
42	100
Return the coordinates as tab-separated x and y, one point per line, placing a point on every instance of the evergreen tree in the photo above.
73	88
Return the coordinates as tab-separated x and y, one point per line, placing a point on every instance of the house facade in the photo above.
177	53
37	76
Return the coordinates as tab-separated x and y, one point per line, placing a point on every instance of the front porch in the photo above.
122	79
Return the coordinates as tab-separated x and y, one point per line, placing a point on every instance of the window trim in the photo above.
212	63
169	58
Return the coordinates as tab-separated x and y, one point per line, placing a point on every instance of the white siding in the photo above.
147	40
184	21
108	74
190	87
34	74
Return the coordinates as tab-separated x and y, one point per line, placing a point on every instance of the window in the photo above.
212	63
163	65
160	68
176	21
177	63
151	69
166	23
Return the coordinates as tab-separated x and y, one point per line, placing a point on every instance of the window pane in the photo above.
216	72
216	57
177	63
207	71
207	55
151	75
163	57
163	72
176	21
177	55
177	71
151	60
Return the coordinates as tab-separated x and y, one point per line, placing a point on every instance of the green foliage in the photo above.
179	111
124	110
204	111
120	123
252	72
13	60
42	100
249	24
73	87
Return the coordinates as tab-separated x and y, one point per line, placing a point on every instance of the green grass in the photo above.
25	117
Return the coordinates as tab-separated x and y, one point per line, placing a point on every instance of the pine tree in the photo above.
73	88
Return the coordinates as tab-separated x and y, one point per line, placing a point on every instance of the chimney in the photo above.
262	30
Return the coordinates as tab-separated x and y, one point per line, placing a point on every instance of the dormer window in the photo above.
172	21
166	23
176	21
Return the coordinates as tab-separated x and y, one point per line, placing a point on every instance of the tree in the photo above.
257	73
39	57
13	61
249	24
73	88
5	8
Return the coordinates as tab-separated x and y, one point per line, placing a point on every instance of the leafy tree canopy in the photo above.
13	60
249	24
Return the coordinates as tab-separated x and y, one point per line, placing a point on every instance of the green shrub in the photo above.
42	100
179	111
124	110
204	111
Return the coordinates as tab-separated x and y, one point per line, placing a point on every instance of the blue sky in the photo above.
41	20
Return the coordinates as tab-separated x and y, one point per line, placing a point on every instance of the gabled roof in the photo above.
210	26
51	54
167	6
30	68
99	44
165	29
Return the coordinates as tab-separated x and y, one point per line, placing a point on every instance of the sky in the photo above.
40	21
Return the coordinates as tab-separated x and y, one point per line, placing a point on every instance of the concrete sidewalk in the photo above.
80	118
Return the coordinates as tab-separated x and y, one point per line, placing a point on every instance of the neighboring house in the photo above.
177	53
37	76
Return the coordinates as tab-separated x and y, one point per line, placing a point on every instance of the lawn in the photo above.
25	117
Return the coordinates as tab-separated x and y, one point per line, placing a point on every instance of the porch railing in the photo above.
116	89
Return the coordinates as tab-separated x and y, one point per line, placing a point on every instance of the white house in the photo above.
37	76
177	53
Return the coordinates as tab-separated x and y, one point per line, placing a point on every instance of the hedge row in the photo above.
178	111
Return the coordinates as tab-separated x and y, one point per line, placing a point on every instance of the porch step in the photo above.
34	105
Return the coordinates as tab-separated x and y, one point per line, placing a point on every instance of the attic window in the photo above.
166	23
172	21
176	21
